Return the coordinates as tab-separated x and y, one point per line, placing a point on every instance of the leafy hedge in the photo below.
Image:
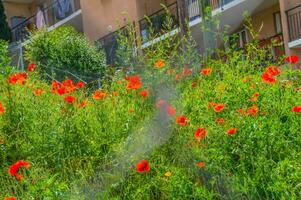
65	48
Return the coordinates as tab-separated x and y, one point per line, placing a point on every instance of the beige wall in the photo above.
21	9
263	22
99	14
17	9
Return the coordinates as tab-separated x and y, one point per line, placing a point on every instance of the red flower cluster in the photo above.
201	164
200	133
144	93
182	120
80	84
206	71
134	82
39	92
2	109
69	99
232	131
98	95
296	109
142	166
217	107
18	78
65	87
292	59
187	71
31	67
10	198
220	120
14	169
269	75
164	106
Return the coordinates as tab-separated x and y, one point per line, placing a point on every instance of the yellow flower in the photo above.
168	174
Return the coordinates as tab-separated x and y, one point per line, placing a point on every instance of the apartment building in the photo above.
275	20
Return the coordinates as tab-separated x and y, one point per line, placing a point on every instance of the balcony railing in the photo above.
157	19
294	23
55	12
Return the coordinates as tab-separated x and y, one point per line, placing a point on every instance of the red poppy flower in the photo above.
160	64
243	112
206	71
134	82
231	131
98	95
10	198
200	133
187	71
253	110
17	78
194	84
256	94
14	169
83	104
144	93
296	109
211	104
31	67
19	177
292	59
182	120
115	94
273	71
80	85
171	111
219	107
2	109
142	166
201	164
161	103
68	86
220	120
268	78
39	92
178	76
69	99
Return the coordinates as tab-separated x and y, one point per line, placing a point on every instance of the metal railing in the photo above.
53	13
157	19
294	23
276	45
109	43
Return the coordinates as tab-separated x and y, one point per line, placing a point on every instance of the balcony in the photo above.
294	26
56	14
158	18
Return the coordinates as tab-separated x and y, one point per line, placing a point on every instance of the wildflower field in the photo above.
226	128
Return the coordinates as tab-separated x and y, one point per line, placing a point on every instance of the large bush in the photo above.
65	48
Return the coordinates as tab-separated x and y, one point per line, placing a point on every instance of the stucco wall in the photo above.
16	9
263	22
98	15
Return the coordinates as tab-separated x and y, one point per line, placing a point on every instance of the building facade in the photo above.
100	19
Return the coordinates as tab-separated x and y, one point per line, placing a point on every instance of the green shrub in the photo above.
65	48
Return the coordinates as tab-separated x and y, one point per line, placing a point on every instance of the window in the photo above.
239	39
277	22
